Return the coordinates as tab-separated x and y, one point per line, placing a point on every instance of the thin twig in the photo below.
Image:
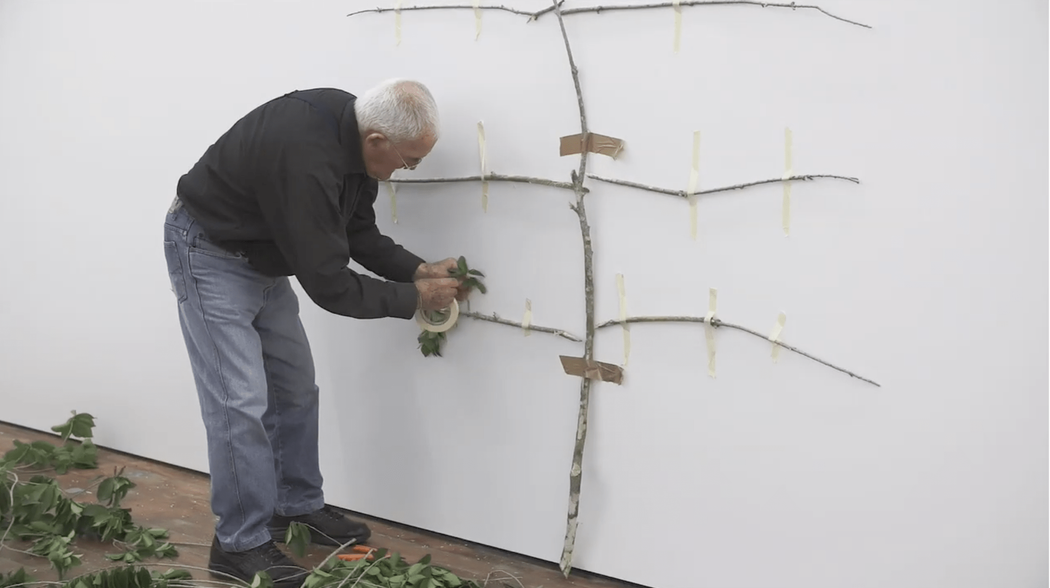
189	544
653	319
792	5
488	178
716	322
532	15
494	318
334	552
685	194
506	576
11	501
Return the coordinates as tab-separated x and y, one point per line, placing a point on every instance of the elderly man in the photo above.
289	190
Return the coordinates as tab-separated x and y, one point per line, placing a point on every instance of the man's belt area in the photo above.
264	256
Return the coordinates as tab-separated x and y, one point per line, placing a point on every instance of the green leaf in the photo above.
462	264
85	455
297	537
16	577
79	425
475	272
19	453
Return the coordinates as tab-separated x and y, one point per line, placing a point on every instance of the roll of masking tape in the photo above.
441	324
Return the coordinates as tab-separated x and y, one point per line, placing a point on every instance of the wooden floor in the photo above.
177	500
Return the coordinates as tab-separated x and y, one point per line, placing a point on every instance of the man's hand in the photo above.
437	293
442	269
438	269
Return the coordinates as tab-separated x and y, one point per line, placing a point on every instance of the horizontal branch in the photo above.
494	318
599	9
792	5
488	178
685	194
532	15
717	323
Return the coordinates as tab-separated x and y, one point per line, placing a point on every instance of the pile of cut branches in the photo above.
35	511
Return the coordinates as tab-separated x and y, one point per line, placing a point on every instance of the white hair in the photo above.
402	110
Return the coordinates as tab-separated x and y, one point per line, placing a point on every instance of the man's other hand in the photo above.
438	269
437	293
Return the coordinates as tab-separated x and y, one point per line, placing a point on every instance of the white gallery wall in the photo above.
929	276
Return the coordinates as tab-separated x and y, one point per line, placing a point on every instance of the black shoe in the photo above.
327	527
243	565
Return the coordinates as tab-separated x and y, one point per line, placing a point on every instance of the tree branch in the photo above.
684	194
494	318
599	9
578	178
792	5
716	322
532	15
489	178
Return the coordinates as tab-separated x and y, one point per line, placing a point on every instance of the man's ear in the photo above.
374	139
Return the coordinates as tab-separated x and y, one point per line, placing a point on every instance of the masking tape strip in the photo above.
677	24
775	336
602	144
526	321
709	329
477	20
593	370
484	167
397	22
694	180
453	311
786	209
393	200
623	318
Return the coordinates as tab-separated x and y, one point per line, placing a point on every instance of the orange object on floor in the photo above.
360	552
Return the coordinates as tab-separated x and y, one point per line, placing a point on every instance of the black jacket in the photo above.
286	186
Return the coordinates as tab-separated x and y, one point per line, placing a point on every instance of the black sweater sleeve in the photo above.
376	252
299	187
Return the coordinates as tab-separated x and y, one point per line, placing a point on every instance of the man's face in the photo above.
382	157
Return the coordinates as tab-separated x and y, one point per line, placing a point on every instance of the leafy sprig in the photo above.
430	343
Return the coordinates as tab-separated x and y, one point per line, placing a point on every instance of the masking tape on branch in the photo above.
526	321
694	181
677	24
786	209
709	329
484	168
393	200
397	23
775	336
477	20
623	318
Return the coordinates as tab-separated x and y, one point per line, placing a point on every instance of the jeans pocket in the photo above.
200	244
175	274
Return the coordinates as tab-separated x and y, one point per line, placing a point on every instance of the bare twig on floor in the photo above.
684	194
717	323
10	525
494	318
505	576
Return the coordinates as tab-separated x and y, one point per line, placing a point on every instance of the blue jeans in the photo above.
254	375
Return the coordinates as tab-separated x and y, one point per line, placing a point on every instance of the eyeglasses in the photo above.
411	167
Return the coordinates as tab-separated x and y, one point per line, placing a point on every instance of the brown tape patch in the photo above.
593	370
595	143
